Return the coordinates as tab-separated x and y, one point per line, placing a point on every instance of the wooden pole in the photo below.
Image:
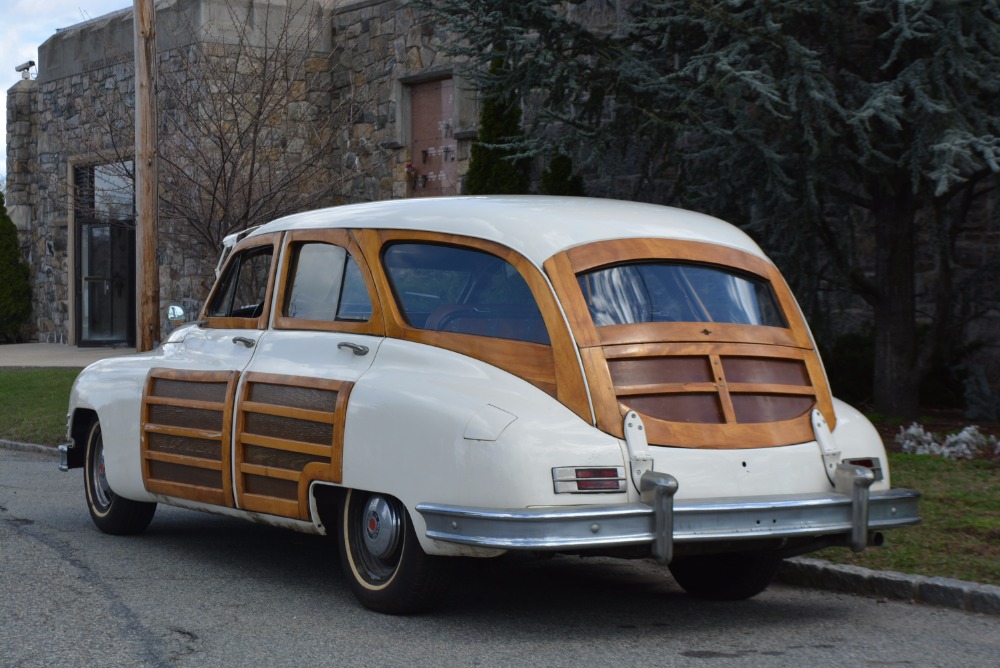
147	267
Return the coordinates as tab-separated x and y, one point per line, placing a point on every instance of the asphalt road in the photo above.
199	590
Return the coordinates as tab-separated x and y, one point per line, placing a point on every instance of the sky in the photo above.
25	25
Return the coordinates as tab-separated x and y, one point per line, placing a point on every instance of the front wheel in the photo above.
383	562
725	577
111	513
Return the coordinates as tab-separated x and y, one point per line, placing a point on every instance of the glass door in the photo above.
107	302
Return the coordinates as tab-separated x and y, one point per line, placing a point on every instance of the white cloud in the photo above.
28	23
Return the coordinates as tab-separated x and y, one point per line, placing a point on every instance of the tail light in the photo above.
873	463
588	479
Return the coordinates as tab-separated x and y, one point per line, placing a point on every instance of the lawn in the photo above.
958	538
33	404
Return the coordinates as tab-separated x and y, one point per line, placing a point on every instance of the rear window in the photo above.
678	292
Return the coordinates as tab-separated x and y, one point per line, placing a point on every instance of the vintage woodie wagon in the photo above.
467	376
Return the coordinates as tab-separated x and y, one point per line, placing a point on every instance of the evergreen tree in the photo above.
15	289
494	168
559	179
833	129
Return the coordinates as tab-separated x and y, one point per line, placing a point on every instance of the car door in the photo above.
188	398
291	404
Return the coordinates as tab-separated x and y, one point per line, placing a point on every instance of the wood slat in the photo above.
773	388
188	432
289	412
667	388
269	472
184	460
287	445
186	403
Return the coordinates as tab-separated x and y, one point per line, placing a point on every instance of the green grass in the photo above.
33	404
959	536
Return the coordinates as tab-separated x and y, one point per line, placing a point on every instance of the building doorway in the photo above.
433	170
105	280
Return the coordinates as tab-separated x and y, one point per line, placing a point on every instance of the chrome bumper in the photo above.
851	511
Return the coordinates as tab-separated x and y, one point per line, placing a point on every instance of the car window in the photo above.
243	287
462	290
678	292
326	284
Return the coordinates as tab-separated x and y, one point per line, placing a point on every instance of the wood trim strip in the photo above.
184	460
278	410
286	445
667	388
187	403
712	333
724	399
269	472
192	493
699	348
188	432
729	436
271	505
611	251
772	388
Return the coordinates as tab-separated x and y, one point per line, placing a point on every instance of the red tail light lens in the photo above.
589	479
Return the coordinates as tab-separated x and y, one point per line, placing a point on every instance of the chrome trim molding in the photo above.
707	520
64	456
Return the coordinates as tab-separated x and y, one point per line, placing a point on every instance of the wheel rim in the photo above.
377	531
98	477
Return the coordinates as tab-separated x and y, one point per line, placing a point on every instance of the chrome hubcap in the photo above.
102	491
382	527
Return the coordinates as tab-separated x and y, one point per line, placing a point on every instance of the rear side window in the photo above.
243	289
462	290
678	292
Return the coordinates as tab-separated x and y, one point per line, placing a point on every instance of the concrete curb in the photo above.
937	591
821	574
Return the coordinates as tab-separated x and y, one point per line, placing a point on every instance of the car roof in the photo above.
537	227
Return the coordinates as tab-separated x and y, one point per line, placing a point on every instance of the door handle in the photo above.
249	343
356	348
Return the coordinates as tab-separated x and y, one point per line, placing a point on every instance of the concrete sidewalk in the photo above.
54	355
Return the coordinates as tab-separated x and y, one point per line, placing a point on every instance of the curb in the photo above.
824	575
937	591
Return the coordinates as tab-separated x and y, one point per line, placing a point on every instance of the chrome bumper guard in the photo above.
64	456
660	521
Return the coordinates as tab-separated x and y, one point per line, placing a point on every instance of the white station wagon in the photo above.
462	377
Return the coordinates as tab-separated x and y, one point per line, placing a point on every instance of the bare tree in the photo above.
252	119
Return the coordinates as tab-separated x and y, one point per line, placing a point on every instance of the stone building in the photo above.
374	110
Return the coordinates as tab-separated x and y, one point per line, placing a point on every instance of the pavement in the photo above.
800	571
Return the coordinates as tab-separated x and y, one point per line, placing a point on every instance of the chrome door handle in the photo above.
356	348
249	343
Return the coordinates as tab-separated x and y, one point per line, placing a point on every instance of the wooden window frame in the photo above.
260	322
337	237
553	368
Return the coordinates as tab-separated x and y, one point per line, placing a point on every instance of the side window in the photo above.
243	288
326	284
462	290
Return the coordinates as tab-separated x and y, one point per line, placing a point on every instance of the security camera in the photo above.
23	69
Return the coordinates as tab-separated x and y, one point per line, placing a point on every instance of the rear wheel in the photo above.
725	577
383	562
111	513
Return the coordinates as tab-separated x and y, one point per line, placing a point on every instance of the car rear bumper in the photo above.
852	511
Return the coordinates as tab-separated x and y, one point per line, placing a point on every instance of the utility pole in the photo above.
147	268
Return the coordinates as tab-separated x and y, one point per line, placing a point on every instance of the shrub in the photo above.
15	288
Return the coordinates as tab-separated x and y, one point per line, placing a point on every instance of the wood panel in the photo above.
289	433
185	434
717	385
